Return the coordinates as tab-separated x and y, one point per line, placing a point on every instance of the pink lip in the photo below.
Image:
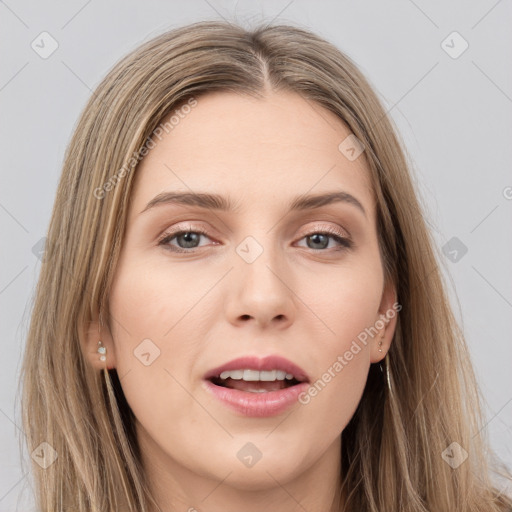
258	404
266	363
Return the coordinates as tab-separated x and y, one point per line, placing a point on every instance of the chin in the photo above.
263	474
260	477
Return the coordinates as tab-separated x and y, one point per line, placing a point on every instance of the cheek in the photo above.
336	389
151	330
344	301
347	306
155	301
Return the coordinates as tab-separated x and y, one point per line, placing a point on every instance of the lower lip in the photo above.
257	405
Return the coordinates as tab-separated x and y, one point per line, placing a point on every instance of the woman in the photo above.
240	306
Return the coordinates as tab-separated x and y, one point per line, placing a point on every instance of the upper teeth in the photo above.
254	375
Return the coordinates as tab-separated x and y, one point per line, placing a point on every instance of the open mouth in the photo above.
254	381
257	387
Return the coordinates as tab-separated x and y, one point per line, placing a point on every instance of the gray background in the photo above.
454	115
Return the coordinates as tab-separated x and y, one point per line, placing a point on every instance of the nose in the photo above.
261	293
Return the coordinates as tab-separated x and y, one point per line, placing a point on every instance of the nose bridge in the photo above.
261	277
260	260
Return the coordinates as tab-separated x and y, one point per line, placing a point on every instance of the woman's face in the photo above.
254	278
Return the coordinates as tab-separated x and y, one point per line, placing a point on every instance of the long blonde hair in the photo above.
392	449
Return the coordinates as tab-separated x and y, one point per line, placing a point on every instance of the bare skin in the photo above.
306	297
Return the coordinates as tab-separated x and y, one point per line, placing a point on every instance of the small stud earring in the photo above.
102	350
380	345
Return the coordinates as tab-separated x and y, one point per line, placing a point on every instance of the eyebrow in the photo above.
221	203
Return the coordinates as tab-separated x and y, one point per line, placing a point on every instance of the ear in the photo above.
385	323
93	335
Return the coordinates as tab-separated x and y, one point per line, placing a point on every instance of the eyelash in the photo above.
164	240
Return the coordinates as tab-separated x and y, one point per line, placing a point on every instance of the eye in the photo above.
186	239
319	240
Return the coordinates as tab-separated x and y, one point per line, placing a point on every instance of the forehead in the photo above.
259	149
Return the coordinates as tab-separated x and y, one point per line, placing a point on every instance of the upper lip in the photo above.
271	362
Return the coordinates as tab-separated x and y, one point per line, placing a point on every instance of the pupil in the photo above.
187	237
318	236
